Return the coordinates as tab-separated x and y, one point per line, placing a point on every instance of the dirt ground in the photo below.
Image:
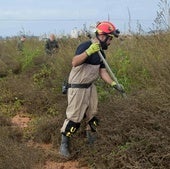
21	120
63	165
134	133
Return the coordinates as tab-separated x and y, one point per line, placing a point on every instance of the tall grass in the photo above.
141	64
139	61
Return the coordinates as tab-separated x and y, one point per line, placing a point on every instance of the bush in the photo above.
16	155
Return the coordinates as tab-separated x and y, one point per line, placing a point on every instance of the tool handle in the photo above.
110	72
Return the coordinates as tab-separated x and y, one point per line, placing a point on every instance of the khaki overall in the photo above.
82	102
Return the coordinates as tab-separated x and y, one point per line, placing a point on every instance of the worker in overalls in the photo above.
82	95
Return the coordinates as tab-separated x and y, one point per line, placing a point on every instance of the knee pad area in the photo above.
94	122
71	128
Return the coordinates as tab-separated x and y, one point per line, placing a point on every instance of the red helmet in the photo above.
107	28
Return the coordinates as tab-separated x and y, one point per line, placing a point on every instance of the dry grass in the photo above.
13	152
133	133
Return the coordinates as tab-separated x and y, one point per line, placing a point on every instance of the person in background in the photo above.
20	44
51	45
82	95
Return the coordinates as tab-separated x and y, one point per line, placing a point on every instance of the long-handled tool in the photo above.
110	72
91	34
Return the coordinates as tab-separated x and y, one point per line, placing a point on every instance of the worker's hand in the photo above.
118	87
94	47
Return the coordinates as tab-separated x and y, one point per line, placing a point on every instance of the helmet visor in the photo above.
116	33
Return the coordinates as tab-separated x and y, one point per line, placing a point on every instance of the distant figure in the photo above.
20	44
51	45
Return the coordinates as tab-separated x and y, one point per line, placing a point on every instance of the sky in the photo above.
38	17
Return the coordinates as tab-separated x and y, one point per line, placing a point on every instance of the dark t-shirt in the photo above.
93	59
50	45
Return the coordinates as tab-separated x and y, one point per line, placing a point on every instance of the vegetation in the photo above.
133	132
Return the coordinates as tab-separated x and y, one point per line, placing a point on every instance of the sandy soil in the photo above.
21	120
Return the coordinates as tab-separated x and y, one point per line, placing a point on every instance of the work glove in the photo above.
118	87
94	47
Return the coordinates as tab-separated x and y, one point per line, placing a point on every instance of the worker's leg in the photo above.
77	106
91	120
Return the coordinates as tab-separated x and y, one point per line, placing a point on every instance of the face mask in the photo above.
104	45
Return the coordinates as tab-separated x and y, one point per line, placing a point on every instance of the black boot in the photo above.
64	147
91	137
